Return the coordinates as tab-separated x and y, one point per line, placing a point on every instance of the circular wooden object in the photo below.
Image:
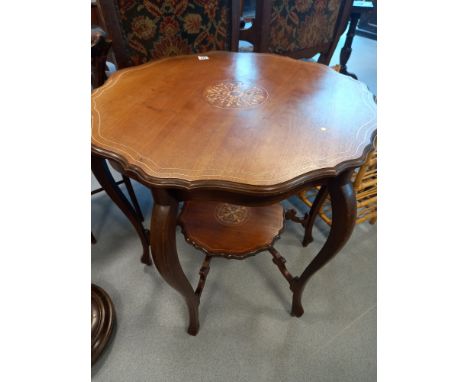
102	321
244	122
232	231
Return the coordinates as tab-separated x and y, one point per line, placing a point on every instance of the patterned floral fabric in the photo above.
301	24
162	28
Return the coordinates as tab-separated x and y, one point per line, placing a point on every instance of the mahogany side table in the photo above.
241	128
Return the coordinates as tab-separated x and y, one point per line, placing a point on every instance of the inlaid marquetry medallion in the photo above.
230	214
253	122
235	94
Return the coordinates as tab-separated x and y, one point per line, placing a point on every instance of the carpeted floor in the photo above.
246	331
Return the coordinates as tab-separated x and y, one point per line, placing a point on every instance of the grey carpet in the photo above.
246	332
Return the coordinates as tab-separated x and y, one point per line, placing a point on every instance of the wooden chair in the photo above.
142	30
299	29
100	46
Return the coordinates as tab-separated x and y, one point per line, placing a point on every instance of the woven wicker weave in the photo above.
365	186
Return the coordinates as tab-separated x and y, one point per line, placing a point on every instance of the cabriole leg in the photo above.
104	177
343	203
314	210
164	253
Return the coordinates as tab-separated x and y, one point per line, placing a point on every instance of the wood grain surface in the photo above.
232	231
255	120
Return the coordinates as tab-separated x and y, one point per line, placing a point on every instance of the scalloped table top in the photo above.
253	120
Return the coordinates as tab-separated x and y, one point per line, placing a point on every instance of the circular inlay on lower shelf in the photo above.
231	231
235	95
230	214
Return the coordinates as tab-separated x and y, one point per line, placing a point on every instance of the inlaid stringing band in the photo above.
362	134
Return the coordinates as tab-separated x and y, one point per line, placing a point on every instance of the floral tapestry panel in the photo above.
161	28
302	24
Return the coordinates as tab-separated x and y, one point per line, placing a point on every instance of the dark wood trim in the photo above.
280	262
164	253
262	25
104	321
314	210
343	203
100	46
234	197
133	198
203	273
291	214
100	189
325	57
357	11
229	255
131	193
96	16
235	22
109	12
217	185
104	177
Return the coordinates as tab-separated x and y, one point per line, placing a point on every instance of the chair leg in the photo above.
314	210
133	198
104	177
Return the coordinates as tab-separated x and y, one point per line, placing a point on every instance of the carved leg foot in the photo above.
344	70
314	210
146	258
297	309
104	177
343	203
307	239
194	323
164	253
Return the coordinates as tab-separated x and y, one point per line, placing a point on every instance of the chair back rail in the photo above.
299	29
142	30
